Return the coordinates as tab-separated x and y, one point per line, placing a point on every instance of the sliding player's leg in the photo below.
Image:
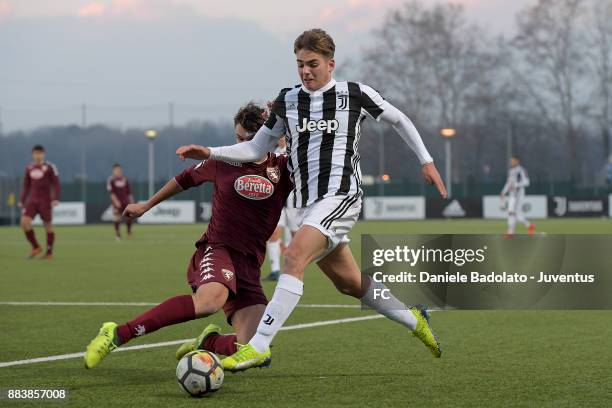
307	245
342	269
211	290
207	300
244	322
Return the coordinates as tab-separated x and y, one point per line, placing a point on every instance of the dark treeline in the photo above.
105	145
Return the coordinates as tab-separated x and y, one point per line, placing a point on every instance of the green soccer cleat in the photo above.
424	332
198	342
246	357
105	342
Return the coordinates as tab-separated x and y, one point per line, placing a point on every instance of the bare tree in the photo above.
549	64
430	58
599	40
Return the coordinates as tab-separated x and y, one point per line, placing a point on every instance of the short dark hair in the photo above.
38	148
516	156
250	117
116	165
316	40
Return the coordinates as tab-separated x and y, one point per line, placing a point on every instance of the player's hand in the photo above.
20	205
433	177
135	210
54	203
195	152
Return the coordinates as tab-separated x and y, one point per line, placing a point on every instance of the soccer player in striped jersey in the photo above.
514	188
321	120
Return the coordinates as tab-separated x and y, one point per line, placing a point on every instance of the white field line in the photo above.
176	342
45	303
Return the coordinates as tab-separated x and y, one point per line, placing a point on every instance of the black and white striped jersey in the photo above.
322	129
517	181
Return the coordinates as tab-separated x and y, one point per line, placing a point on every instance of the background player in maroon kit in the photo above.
40	193
224	272
120	193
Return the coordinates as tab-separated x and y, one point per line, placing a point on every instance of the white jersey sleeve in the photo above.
264	141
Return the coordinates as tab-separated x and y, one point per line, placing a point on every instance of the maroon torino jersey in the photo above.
40	184
120	187
247	202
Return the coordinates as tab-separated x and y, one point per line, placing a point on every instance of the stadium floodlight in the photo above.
151	134
448	134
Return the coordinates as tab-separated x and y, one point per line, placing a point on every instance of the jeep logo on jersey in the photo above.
314	125
254	187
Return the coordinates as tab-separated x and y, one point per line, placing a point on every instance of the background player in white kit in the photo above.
287	226
514	189
321	120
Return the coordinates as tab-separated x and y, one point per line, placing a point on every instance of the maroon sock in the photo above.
32	239
116	225
221	344
175	310
128	223
50	240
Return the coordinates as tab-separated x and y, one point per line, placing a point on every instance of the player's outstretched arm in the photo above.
138	209
264	141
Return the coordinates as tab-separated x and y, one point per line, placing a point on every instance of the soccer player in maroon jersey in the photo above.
40	193
224	272
120	193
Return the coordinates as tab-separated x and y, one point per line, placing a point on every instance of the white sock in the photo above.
274	252
391	308
511	223
522	219
286	297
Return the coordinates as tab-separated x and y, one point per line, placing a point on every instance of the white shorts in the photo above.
334	217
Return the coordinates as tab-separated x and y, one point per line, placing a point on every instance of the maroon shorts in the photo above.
238	271
40	207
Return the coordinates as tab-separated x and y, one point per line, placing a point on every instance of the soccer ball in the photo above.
199	373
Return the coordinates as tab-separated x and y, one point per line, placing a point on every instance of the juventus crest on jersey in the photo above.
322	129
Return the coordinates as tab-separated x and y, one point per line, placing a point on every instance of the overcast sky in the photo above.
127	59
